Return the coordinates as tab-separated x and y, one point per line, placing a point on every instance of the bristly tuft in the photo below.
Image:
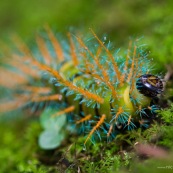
88	82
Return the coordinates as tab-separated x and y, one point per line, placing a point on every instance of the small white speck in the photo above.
147	85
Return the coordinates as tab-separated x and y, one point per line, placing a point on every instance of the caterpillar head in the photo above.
149	85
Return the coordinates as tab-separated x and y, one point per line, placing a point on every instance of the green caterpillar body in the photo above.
98	91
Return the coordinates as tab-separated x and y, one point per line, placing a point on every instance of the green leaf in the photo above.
49	122
50	139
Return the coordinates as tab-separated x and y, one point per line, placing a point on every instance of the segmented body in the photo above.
94	84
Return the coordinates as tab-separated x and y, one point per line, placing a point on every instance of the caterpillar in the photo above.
84	86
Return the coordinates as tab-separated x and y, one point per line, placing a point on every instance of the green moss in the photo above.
19	148
167	128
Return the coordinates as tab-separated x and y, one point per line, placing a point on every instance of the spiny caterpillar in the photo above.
97	91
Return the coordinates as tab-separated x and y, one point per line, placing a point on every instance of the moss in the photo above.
19	147
19	144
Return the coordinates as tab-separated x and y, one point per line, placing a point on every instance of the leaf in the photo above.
49	122
50	139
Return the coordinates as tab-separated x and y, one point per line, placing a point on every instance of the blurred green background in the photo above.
152	19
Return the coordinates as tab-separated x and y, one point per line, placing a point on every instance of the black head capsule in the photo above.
149	85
